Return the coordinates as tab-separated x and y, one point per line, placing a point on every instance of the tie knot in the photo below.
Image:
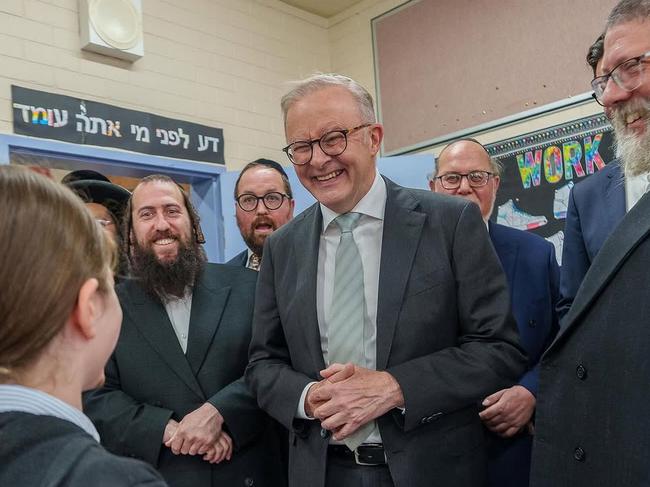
254	262
347	221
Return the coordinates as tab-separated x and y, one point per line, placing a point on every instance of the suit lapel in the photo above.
305	249
151	319
614	200
507	251
634	227
400	240
208	304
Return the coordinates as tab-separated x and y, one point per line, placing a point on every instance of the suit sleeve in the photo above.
126	427
530	380
243	419
276	384
487	356
575	259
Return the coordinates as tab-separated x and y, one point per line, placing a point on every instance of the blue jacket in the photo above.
596	206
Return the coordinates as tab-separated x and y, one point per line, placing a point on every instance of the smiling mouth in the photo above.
165	241
328	176
632	117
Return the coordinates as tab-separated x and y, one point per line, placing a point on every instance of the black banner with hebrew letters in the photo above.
51	116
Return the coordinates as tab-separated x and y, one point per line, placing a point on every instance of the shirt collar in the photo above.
16	398
373	204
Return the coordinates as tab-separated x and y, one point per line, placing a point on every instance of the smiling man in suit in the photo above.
174	394
592	412
372	341
465	169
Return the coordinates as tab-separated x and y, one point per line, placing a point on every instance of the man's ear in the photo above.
292	205
87	308
497	180
376	137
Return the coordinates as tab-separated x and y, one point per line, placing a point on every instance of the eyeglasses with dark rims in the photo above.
272	200
627	75
476	179
332	143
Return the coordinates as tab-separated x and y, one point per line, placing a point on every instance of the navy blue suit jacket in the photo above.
533	277
596	206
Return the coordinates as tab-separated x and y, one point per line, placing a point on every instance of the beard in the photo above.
256	242
632	149
167	280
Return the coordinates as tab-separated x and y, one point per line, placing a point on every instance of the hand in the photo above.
221	450
508	410
334	373
170	429
350	401
197	431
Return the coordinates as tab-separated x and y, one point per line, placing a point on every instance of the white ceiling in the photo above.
324	8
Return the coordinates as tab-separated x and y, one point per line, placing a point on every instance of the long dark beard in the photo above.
167	280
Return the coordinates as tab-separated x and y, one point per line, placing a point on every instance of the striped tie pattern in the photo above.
345	326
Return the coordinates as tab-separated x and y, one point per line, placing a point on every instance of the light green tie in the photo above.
345	326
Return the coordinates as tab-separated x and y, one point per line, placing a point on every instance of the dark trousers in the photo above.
345	473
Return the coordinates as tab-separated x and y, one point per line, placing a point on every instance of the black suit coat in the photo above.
149	380
40	450
593	427
444	331
241	259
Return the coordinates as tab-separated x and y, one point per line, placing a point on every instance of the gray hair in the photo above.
496	167
628	10
595	52
319	81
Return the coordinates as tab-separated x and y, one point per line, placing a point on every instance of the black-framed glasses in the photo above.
593	95
272	200
627	75
476	179
332	143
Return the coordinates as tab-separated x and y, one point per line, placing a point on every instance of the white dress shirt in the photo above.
179	311
16	398
368	237
635	188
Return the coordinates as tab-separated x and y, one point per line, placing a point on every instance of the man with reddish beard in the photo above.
174	394
592	409
381	315
264	203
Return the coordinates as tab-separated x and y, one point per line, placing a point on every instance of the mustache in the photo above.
618	114
263	220
158	235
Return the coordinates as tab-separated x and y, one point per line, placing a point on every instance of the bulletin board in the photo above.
539	170
449	68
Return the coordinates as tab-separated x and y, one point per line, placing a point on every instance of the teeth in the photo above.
164	241
329	176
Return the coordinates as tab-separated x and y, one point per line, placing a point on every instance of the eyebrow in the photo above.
151	207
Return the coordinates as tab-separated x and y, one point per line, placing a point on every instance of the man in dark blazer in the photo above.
465	169
174	394
435	335
263	203
592	421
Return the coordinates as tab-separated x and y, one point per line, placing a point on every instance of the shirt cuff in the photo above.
300	410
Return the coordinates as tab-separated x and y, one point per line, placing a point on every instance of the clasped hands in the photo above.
350	396
199	433
508	411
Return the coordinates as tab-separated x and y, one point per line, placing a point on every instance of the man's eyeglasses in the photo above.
476	179
272	201
332	143
627	75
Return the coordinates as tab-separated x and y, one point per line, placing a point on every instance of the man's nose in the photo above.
614	94
161	222
464	187
261	208
318	157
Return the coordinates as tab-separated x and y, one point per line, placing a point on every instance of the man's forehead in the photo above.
327	108
464	153
624	41
157	193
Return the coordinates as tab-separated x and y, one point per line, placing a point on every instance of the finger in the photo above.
187	444
194	449
338	374
229	448
331	370
491	412
320	393
492	398
209	455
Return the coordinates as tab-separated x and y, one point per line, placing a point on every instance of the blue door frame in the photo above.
203	177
